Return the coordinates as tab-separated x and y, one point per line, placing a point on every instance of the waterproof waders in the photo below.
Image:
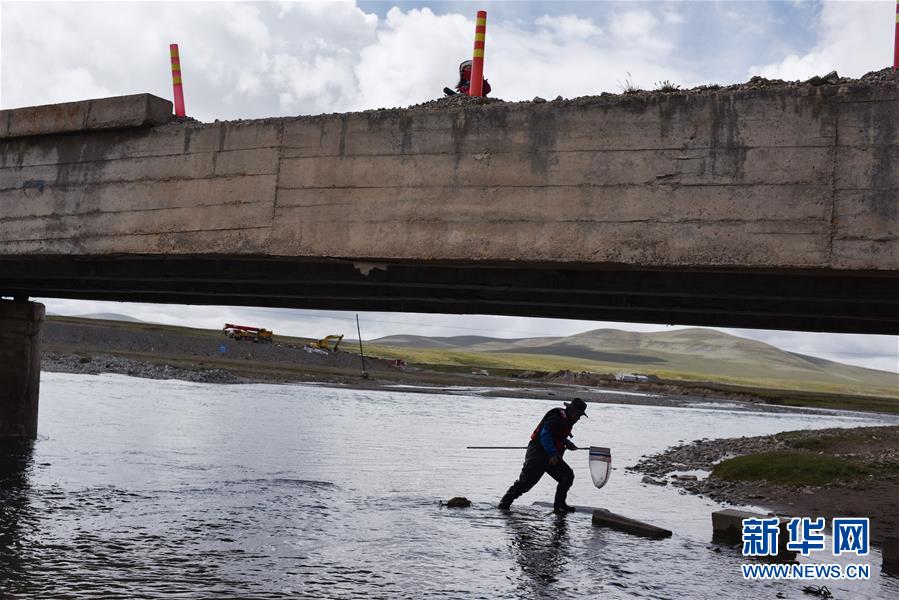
536	463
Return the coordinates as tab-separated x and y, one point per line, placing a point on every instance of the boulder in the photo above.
458	502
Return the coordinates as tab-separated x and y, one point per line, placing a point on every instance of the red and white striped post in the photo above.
477	62
176	80
896	41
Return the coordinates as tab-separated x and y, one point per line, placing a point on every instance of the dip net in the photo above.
600	465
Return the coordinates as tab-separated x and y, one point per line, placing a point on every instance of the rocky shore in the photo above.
874	495
58	362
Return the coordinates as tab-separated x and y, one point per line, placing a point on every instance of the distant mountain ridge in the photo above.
110	317
695	351
420	341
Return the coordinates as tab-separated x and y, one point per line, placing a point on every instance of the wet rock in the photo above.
458	502
651	481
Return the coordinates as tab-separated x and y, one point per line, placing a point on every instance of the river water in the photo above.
143	488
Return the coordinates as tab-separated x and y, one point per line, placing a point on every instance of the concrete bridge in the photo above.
768	208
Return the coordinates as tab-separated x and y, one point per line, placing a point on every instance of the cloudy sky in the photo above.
252	60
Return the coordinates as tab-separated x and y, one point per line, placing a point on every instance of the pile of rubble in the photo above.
459	100
883	76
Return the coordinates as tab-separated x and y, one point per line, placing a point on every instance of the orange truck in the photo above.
243	333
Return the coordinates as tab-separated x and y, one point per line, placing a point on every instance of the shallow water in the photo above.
172	489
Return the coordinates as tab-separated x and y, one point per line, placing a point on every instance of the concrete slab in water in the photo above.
727	527
606	518
890	551
578	508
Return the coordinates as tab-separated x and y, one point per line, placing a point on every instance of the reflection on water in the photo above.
541	547
139	488
16	518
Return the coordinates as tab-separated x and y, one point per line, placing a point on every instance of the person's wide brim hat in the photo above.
578	405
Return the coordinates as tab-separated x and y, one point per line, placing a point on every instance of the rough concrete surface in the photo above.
768	177
20	368
606	518
136	110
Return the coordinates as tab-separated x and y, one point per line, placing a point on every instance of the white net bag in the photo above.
600	465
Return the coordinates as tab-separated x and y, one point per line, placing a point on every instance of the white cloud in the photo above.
238	59
638	31
569	26
672	17
318	84
415	56
542	63
77	82
853	38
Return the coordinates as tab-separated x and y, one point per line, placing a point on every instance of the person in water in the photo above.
465	81
544	455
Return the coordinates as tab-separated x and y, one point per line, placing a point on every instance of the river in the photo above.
144	488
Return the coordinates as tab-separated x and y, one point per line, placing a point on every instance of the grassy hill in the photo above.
686	354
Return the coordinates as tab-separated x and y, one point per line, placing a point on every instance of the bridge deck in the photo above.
771	208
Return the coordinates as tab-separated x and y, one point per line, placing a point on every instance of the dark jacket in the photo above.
553	431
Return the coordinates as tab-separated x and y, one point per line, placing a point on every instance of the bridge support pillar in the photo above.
20	367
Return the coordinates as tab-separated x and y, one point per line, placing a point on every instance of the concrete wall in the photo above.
20	368
783	178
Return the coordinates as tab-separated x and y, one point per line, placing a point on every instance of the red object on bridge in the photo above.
176	80
477	62
896	41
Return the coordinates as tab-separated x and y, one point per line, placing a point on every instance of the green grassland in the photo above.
831	441
753	374
821	457
790	468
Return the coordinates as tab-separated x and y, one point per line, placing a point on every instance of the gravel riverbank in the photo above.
58	362
875	495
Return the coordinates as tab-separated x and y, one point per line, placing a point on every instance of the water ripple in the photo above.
153	489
